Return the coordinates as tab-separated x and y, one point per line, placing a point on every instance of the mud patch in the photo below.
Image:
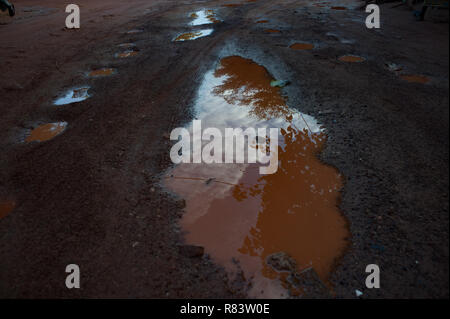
302	46
46	132
242	217
6	207
102	72
193	35
74	96
414	78
352	58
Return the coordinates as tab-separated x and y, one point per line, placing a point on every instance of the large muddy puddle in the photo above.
241	217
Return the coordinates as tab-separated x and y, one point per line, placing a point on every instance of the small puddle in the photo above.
74	96
6	207
135	31
205	16
393	67
352	58
241	217
126	54
127	45
102	72
302	46
339	38
272	31
46	132
193	35
414	78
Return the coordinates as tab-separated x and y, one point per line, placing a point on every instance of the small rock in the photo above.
282	262
310	283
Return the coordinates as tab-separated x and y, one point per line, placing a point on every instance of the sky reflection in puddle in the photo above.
242	217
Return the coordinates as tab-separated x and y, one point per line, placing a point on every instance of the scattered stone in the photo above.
309	283
282	262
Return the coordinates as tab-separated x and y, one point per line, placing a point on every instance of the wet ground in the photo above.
86	178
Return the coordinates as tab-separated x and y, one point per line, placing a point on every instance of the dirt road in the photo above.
93	194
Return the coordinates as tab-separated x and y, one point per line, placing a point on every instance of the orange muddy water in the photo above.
242	217
102	72
272	31
6	207
127	45
193	35
302	46
204	16
46	132
422	79
232	5
127	54
351	58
